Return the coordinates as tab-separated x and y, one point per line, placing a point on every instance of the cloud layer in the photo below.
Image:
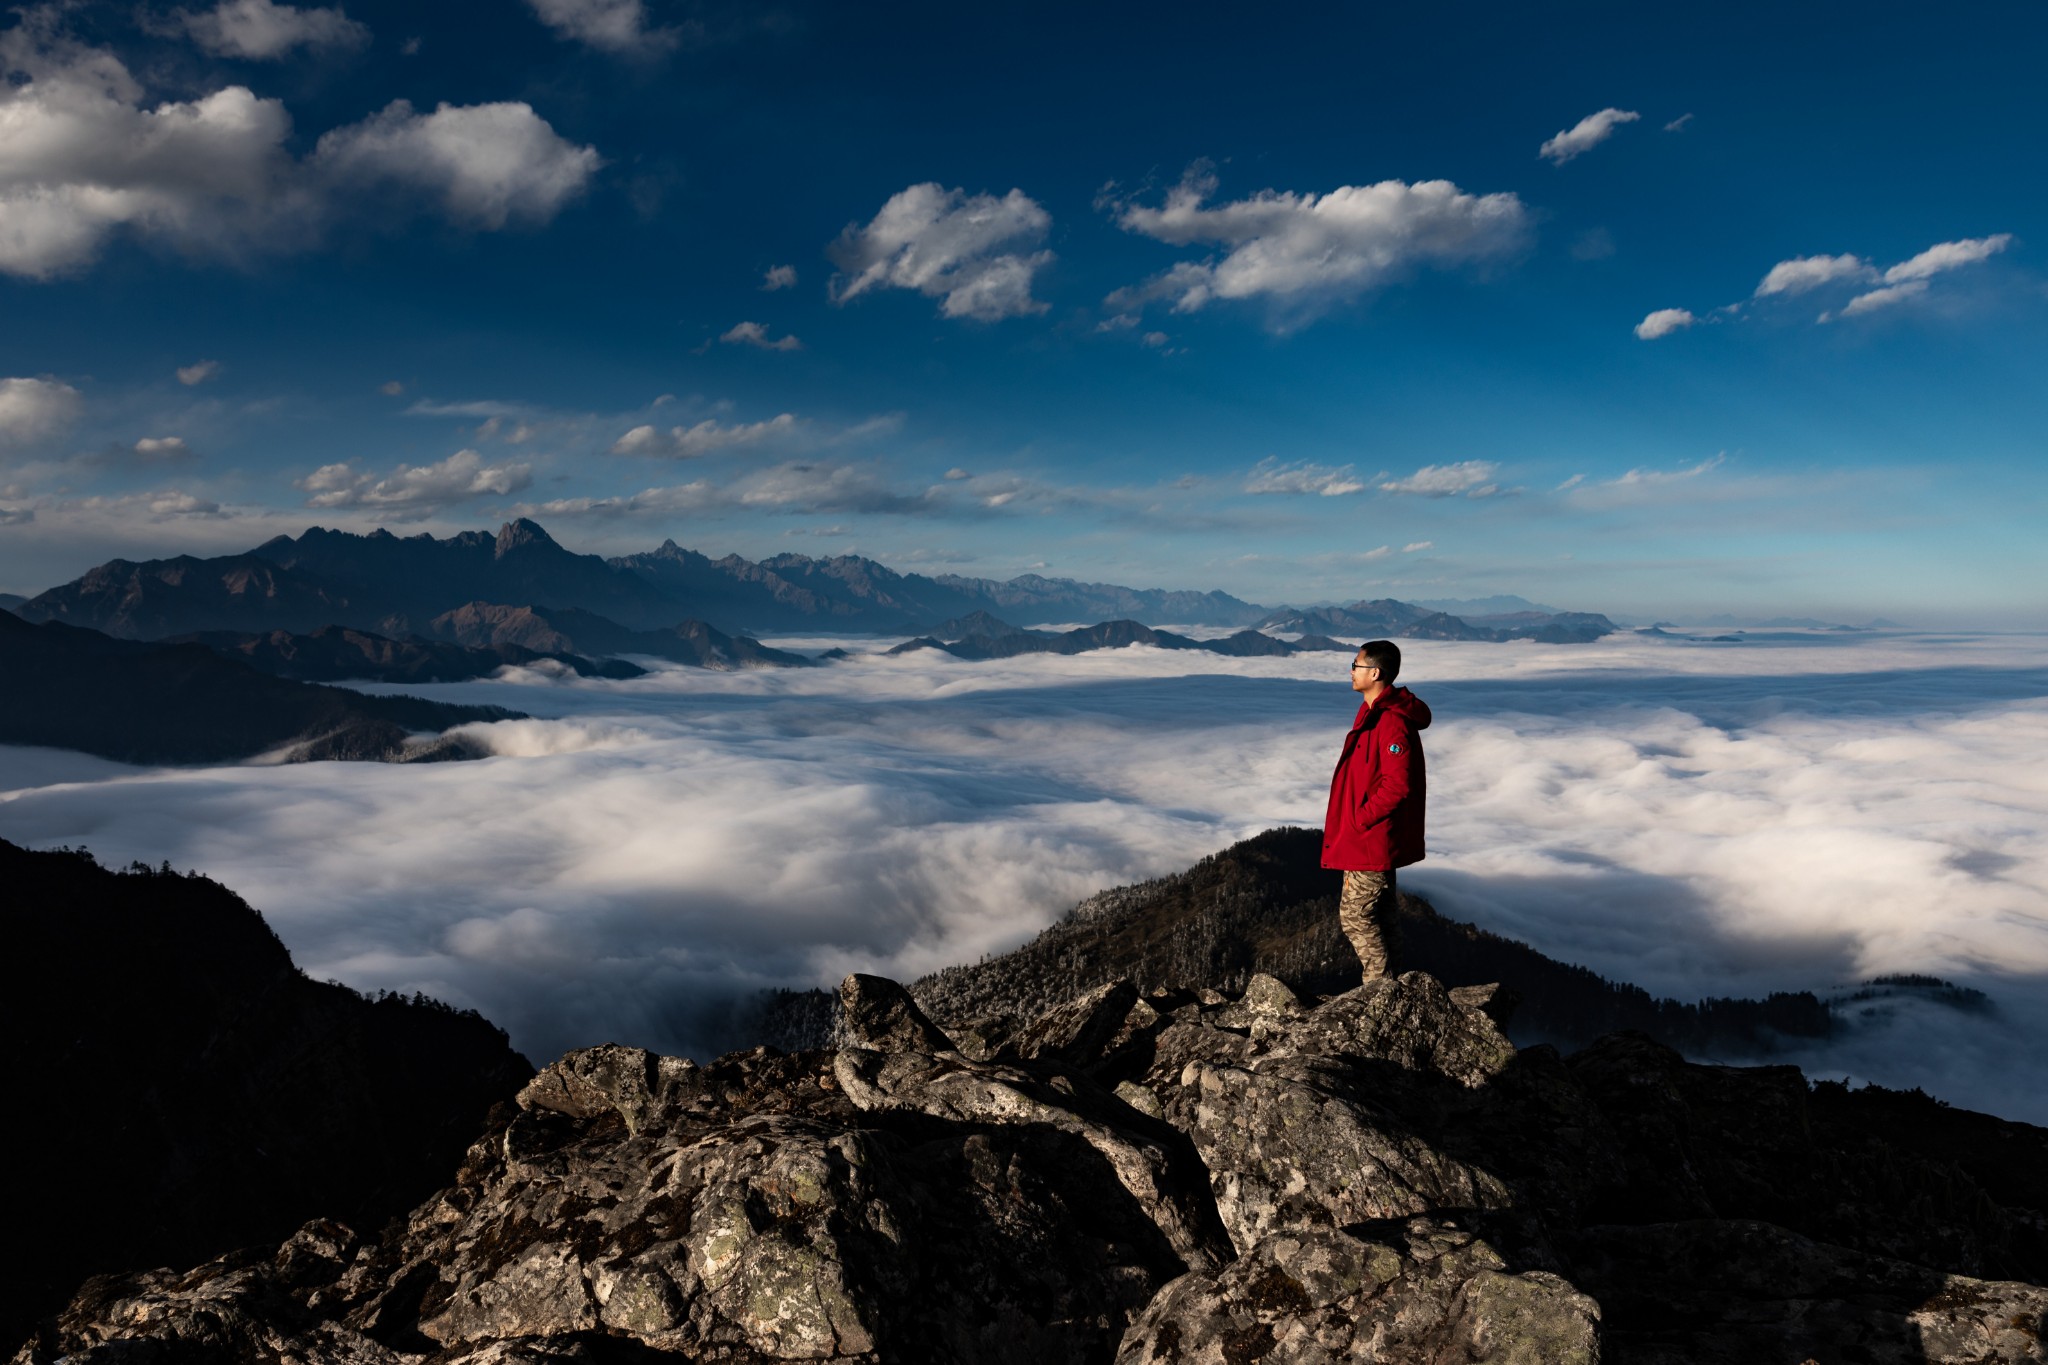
1703	820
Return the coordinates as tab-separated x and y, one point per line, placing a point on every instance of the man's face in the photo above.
1363	674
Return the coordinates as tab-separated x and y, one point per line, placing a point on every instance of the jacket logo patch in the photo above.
1393	748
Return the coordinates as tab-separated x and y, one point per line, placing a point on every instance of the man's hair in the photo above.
1384	655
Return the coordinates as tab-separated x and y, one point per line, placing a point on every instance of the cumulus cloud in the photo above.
779	277
615	26
1467	478
34	410
413	491
704	438
1664	322
1270	475
1704	821
1583	136
487	164
1802	273
797	486
756	334
260	30
1416	546
971	253
87	156
198	372
1305	252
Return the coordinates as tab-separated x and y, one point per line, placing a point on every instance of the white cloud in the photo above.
779	277
1876	299
33	410
704	438
1703	821
1802	273
615	26
391	388
756	334
198	372
1678	124
161	449
1417	546
1947	256
1469	478
1306	252
263	31
413	491
1272	476
1644	477
489	164
1664	322
85	156
969	253
1583	136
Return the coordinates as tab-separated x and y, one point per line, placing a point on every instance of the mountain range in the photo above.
982	636
397	586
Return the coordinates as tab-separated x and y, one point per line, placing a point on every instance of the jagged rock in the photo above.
1424	1293
1410	1021
877	1013
1295	1142
1165	1181
1493	1000
1084	1028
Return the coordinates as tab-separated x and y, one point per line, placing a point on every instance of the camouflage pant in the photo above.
1366	913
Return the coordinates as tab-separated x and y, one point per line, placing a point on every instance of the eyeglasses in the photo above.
1374	667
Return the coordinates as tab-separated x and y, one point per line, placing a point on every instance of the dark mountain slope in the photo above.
569	630
162	703
1267	905
181	1089
162	597
339	654
419	577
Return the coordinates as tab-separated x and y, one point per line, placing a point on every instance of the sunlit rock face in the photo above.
1170	1176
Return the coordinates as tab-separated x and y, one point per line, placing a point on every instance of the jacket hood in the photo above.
1412	708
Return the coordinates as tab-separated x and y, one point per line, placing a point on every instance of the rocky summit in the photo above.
1148	1178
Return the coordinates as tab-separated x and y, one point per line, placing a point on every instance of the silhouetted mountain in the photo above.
160	597
1406	620
12	601
1268	905
418	577
139	702
1032	599
977	625
194	1092
976	643
339	654
569	630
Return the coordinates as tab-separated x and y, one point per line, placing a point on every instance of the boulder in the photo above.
1423	1292
876	1013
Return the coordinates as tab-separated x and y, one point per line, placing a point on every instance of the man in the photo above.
1374	823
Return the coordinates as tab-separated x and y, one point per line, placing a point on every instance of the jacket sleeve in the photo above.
1397	768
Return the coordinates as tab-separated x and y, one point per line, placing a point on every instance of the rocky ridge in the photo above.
1141	1178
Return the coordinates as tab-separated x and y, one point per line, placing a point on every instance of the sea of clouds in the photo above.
1703	819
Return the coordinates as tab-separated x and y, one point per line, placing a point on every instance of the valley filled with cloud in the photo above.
1703	819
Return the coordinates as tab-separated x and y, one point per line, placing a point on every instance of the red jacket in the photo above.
1374	823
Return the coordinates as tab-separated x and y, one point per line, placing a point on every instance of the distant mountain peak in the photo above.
518	534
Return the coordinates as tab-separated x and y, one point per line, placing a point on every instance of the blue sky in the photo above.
1356	301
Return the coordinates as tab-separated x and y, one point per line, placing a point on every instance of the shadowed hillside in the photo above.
193	1091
